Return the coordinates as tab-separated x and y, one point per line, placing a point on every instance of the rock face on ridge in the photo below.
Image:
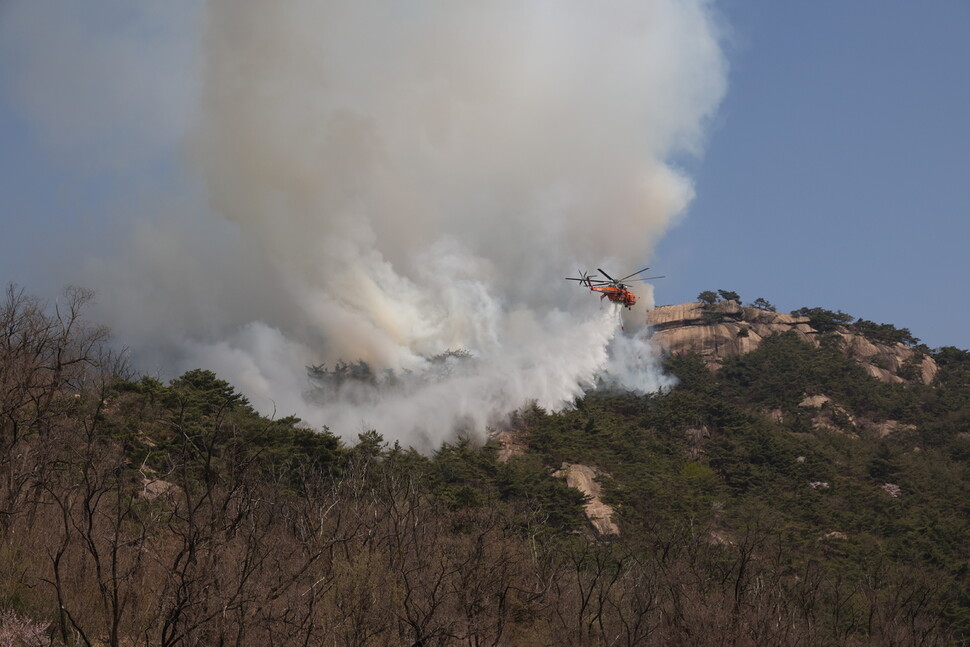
583	478
726	329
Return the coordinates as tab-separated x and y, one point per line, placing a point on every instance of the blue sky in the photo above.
835	174
837	171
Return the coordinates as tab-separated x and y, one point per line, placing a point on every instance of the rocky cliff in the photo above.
726	328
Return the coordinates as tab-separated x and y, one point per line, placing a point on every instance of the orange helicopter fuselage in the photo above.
615	294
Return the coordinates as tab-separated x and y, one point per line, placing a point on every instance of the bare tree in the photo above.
45	358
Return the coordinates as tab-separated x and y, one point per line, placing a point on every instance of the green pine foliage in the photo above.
748	514
815	481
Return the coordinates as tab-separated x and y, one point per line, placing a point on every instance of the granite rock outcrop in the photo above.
726	329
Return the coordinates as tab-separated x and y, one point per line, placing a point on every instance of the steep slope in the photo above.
754	505
795	452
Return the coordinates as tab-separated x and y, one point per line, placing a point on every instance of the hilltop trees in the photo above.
763	304
728	295
824	320
885	333
710	297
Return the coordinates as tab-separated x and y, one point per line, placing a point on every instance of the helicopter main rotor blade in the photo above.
634	274
607	275
649	278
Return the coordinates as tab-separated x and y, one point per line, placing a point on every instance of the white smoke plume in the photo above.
409	178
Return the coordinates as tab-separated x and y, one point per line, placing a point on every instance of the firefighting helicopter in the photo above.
613	289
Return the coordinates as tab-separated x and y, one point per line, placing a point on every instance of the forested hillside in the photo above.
787	498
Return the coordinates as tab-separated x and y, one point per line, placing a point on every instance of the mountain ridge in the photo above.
726	328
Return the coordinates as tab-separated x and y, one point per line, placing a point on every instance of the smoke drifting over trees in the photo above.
401	180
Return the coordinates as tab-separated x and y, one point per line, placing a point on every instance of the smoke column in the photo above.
402	179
